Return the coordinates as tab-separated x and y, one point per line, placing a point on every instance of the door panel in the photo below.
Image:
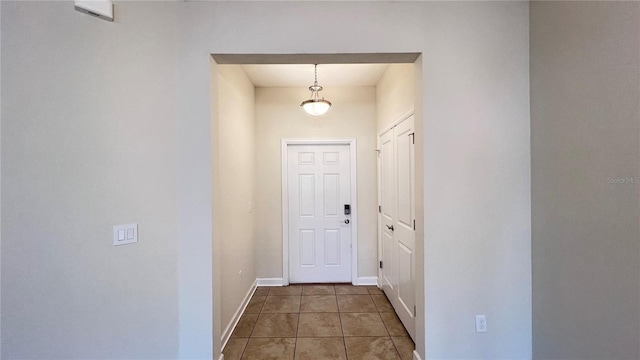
406	285
398	212
307	195
403	176
331	192
319	239
307	247
404	231
332	247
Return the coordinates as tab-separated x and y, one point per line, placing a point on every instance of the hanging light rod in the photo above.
316	106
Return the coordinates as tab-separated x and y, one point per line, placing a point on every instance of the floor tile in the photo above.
370	348
318	322
393	324
350	289
319	325
286	290
281	304
356	303
234	348
261	291
404	345
269	349
318	290
320	349
362	324
276	325
255	304
382	303
319	303
245	325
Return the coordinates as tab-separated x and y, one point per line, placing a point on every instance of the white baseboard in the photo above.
236	317
270	282
416	356
369	280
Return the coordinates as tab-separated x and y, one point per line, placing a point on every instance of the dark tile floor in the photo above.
323	322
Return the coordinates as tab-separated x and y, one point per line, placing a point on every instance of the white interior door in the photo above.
397	220
319	231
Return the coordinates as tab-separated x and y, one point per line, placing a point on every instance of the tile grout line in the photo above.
246	345
389	337
386	327
344	341
295	344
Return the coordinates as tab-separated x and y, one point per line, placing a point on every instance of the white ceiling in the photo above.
302	75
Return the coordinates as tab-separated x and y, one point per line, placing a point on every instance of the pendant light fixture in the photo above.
315	106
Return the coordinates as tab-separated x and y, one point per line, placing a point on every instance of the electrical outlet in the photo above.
481	323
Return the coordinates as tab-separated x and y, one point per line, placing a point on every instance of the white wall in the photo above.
477	181
89	123
585	106
153	67
236	153
278	116
394	94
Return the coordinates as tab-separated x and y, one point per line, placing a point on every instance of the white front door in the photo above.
319	231
397	220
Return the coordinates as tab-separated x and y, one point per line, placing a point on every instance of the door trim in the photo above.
285	201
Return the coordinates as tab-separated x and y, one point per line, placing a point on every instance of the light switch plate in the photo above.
125	234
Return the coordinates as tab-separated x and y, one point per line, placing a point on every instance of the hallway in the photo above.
307	322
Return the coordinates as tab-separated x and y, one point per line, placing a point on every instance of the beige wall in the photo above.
278	115
585	106
394	94
236	154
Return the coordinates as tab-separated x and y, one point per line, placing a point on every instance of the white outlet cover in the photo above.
130	231
481	323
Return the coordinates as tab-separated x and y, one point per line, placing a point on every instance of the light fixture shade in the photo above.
316	107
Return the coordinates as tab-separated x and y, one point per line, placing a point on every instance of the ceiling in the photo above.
282	75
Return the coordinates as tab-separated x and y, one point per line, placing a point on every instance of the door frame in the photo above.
285	201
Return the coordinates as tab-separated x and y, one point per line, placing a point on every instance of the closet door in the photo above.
397	220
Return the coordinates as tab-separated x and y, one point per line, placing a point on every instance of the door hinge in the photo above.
379	208
380	264
414	310
413	138
414	224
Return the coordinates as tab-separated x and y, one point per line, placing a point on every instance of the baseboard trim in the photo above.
368	280
270	281
416	356
236	317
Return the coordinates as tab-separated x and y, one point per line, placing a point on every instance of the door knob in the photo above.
390	227
346	221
